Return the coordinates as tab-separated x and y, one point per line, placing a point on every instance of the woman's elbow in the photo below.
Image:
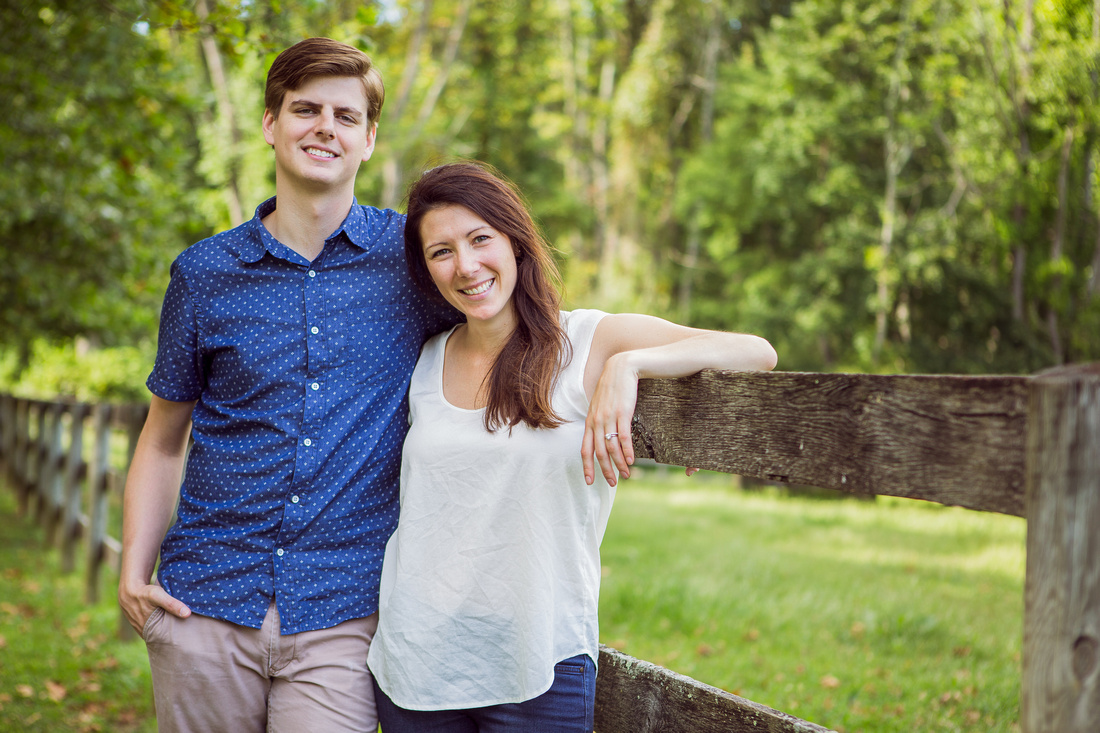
764	355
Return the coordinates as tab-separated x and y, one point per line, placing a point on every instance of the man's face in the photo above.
321	134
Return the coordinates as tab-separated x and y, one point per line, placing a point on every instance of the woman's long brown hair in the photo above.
521	380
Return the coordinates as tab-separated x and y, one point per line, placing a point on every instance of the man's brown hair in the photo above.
318	57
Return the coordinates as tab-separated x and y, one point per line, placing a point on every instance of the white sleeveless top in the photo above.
493	573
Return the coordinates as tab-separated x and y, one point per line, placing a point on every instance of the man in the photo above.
286	346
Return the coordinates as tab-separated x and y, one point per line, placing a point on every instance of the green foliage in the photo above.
93	202
74	371
863	183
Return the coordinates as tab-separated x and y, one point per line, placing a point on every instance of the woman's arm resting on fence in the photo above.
152	488
630	347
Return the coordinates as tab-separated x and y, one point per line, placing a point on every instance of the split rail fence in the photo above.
1027	446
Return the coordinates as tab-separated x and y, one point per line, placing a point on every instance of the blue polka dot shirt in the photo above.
300	371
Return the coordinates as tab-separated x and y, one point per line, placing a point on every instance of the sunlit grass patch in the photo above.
891	615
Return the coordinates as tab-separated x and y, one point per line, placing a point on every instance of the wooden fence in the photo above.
60	459
1025	446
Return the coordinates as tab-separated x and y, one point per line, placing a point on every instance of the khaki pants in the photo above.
212	676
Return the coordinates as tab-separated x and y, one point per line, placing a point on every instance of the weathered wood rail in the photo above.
1024	446
58	458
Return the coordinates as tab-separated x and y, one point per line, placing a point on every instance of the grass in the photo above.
62	667
861	616
890	615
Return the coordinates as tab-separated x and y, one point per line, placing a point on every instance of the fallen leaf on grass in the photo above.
24	690
830	682
22	609
80	628
3	642
704	650
752	635
55	692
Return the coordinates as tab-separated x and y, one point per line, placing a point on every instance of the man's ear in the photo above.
372	135
269	127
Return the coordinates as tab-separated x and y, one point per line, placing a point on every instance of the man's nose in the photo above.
325	125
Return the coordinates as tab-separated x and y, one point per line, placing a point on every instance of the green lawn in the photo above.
861	616
890	615
62	667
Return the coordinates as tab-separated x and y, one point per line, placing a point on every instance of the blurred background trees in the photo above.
873	185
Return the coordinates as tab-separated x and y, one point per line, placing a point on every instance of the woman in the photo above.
488	610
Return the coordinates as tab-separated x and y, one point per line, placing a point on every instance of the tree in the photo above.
97	172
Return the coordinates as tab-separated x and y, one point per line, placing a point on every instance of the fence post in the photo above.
50	476
98	490
20	456
1061	662
37	467
75	468
7	437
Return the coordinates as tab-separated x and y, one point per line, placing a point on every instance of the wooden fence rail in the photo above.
59	458
1025	446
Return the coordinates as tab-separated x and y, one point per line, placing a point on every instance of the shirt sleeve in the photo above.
177	374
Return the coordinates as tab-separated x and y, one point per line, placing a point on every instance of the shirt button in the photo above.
312	273
294	499
315	330
279	552
315	386
307	442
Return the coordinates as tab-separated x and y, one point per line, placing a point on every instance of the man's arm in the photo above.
152	488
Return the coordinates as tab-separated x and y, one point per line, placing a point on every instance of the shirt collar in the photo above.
258	239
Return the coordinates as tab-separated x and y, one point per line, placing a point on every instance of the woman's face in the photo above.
472	264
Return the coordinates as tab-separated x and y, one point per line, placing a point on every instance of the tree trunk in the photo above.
394	185
225	116
694	239
1057	246
1023	154
392	164
896	155
1094	278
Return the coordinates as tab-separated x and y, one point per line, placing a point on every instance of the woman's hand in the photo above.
607	436
628	347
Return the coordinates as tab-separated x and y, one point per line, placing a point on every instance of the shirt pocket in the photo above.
370	339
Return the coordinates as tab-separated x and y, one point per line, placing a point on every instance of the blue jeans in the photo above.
567	707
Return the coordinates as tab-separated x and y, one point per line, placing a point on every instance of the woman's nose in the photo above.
466	262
